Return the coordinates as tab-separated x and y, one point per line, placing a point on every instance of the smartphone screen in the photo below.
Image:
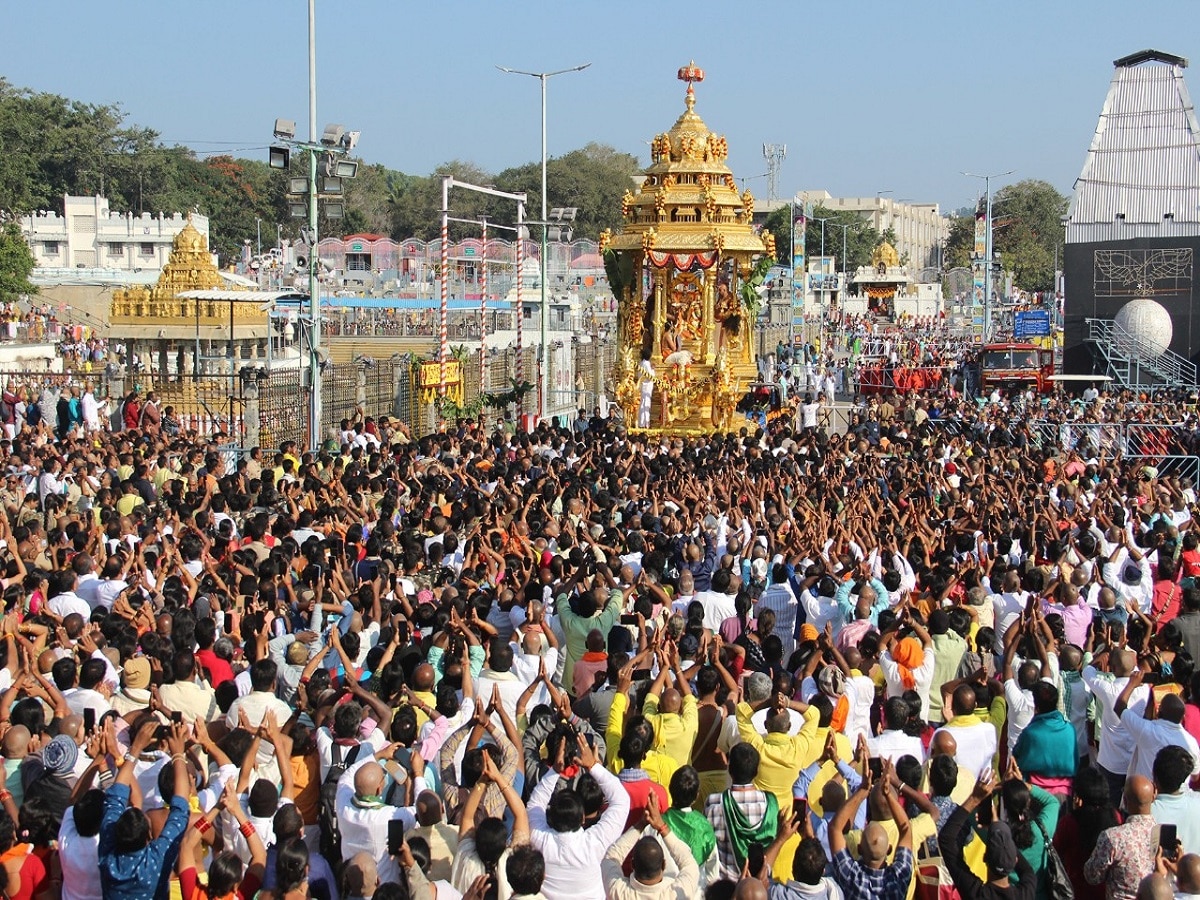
876	767
395	836
754	859
1168	839
89	719
801	809
629	620
640	674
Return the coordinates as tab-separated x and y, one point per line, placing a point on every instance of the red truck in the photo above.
1015	366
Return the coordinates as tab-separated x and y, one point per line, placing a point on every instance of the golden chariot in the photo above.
684	269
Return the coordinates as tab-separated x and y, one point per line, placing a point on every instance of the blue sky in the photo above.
868	96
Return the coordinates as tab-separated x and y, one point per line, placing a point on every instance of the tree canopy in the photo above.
16	263
51	146
1027	231
861	236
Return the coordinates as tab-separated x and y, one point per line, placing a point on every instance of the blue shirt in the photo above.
144	874
860	883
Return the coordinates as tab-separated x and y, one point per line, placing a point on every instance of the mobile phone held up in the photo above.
395	836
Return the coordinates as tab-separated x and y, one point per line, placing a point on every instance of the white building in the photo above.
89	236
920	228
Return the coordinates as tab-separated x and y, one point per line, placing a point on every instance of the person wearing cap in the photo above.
134	695
1000	854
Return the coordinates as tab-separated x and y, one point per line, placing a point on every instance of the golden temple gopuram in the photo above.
166	323
684	269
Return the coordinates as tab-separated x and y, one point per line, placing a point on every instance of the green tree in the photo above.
861	238
16	263
592	179
779	223
960	243
1026	231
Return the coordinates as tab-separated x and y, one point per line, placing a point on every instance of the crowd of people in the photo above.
935	655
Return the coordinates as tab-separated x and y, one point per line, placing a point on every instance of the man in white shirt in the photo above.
975	738
79	846
528	660
893	742
499	674
908	665
1152	735
256	704
65	601
1176	803
86	581
719	605
1116	741
573	855
86	693
1008	606
779	599
363	816
345	732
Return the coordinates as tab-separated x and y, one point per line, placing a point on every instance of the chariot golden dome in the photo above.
688	200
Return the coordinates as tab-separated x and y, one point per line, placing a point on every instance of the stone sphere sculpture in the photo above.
1148	323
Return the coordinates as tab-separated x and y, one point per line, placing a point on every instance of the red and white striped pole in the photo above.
443	343
483	313
520	298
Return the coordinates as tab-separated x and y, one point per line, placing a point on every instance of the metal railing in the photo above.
1135	362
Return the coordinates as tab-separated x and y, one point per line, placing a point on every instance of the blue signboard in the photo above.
1031	324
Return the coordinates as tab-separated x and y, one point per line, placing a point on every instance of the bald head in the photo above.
361	876
1139	795
429	808
1122	662
423	677
943	744
750	889
672	701
874	848
368	781
46	660
1155	887
1188	874
16	742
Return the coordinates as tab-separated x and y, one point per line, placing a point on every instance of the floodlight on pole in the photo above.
543	77
333	135
324	160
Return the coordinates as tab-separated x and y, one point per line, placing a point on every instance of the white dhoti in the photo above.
679	358
647	394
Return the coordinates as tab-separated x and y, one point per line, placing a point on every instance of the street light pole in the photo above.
543	377
987	271
314	294
822	221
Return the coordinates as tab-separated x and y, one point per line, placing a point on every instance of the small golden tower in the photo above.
687	340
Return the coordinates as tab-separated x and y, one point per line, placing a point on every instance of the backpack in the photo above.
327	820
